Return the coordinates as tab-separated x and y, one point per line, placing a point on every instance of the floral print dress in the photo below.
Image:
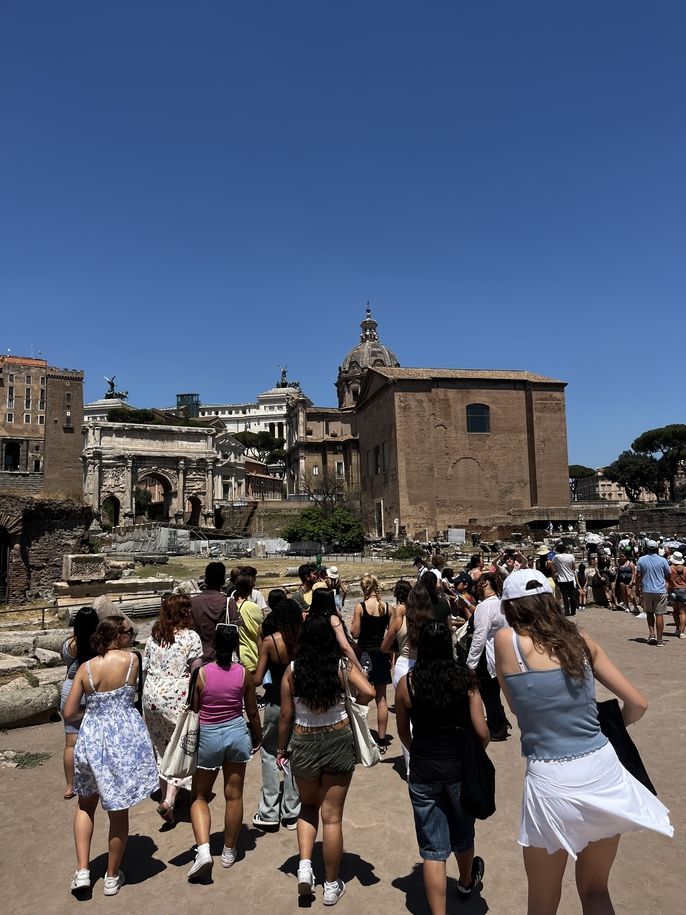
167	669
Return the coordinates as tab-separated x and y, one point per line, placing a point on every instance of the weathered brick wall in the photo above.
63	438
19	481
40	532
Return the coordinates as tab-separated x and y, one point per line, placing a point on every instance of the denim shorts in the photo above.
228	741
441	823
679	596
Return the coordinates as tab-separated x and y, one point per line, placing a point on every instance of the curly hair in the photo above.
286	619
419	610
437	679
175	613
494	579
540	618
401	590
316	664
106	635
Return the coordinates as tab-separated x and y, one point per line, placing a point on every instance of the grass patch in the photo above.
26	760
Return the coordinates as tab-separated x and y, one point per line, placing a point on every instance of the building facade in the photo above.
41	412
451	447
598	487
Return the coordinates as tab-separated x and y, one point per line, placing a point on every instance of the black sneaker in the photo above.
478	868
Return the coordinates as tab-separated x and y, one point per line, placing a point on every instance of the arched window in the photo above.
478	417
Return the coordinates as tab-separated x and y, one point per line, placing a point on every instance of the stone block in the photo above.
16	644
47	658
84	567
12	667
51	639
28	706
49	675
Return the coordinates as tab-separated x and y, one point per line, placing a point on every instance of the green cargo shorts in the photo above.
322	752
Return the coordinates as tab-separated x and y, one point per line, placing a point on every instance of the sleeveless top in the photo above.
306	718
276	670
221	699
404	650
69	659
373	628
557	714
437	739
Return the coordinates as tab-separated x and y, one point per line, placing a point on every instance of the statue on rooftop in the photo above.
113	394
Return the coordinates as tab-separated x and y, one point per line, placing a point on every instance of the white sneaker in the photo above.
641	616
81	880
114	884
201	867
306	882
333	892
228	857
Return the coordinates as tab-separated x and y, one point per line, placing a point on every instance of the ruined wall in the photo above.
20	481
63	475
40	532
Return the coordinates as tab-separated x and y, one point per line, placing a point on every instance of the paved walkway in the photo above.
381	864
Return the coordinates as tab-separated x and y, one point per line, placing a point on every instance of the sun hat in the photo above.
677	558
542	551
525	583
332	572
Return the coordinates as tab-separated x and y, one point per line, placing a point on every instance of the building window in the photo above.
10	417
41	420
28	379
27	417
10	377
315	471
27	399
478	417
377	459
42	379
10	398
41	401
340	470
36	466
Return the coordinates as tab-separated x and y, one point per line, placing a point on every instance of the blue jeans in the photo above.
273	804
441	823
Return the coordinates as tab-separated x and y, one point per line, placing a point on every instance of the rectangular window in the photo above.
10	377
10	417
339	469
10	398
28	379
315	471
41	420
27	417
41	401
27	399
42	379
377	460
36	466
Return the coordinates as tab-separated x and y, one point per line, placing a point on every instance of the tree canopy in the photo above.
339	528
669	442
578	472
262	446
636	472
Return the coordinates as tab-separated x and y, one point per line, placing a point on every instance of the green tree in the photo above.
262	446
578	472
669	442
142	497
340	528
636	472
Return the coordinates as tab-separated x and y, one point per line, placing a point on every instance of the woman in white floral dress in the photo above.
169	654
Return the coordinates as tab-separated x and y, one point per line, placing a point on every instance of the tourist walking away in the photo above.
440	605
564	566
339	589
652	577
440	699
113	757
677	587
280	632
323	604
578	797
210	607
251	618
488	620
76	650
369	624
169	655
396	641
626	582
223	689
321	752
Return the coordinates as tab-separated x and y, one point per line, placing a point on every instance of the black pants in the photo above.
569	596
490	695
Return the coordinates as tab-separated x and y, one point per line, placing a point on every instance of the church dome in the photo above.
369	352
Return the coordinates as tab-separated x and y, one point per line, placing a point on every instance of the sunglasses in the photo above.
126	631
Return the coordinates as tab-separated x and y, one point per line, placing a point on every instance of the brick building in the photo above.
450	447
41	412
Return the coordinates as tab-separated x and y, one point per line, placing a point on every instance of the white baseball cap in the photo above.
525	583
651	544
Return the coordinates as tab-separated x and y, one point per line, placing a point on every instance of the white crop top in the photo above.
306	718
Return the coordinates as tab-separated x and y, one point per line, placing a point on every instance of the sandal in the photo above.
382	747
69	795
166	811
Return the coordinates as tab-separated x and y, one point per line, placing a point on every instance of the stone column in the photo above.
97	481
209	492
180	490
129	507
301	473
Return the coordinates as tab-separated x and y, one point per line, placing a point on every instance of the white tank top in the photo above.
306	718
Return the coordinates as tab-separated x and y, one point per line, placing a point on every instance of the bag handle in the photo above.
191	686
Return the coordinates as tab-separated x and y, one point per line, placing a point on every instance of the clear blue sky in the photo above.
195	194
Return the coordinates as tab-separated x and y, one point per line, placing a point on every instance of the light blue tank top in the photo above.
557	715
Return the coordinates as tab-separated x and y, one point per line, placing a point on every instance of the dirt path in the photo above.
380	864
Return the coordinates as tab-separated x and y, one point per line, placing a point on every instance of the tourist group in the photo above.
450	644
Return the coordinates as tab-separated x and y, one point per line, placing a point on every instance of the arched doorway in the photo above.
111	507
194	509
12	456
160	490
4	563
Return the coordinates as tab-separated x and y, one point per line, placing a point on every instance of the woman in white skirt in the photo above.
578	798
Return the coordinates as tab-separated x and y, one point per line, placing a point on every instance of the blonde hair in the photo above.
370	585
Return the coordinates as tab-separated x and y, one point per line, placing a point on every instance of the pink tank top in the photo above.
222	696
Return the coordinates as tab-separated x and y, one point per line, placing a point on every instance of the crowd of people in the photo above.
451	644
